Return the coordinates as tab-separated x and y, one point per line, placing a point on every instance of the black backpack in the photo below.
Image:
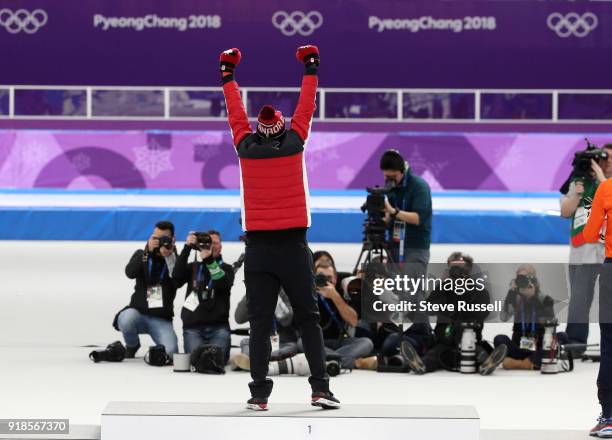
208	359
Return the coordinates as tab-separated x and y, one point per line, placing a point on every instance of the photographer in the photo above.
151	306
284	332
408	210
205	313
530	307
336	317
451	322
591	168
322	256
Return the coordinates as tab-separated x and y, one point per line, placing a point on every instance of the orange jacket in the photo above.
602	205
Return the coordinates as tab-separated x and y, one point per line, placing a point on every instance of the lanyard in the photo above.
332	314
404	203
163	271
403	199
533	319
199	275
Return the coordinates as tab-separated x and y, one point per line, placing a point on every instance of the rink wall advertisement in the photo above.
477	44
335	160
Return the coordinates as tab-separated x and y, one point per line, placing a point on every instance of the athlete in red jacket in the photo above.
275	216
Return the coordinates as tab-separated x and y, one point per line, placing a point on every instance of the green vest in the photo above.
581	215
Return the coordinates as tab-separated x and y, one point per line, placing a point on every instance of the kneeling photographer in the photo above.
408	210
591	167
151	307
205	313
336	317
458	331
531	309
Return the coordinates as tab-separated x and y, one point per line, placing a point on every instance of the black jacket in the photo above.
213	295
540	305
138	269
448	324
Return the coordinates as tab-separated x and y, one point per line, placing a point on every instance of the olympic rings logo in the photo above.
22	20
572	24
297	22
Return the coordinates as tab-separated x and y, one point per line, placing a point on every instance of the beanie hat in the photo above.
270	122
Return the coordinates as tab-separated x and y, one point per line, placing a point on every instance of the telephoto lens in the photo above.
550	348
468	350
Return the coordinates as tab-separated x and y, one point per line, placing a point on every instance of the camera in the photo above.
457	272
522	281
114	352
165	242
204	241
321	280
582	160
157	356
374	226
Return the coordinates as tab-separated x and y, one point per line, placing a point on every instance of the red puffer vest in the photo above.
273	181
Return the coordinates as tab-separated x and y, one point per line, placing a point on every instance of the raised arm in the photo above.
236	114
302	118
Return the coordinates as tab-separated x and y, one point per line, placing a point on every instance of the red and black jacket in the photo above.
273	181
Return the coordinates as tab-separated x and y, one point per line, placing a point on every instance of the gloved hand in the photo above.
309	55
228	60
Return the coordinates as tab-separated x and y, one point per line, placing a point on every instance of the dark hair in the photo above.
460	256
608	146
326	266
165	226
214	232
392	160
318	254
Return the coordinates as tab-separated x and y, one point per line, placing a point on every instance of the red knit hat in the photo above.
270	122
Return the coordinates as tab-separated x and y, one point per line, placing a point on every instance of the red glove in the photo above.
309	55
228	60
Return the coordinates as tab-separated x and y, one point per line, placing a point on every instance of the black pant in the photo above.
274	259
604	379
514	350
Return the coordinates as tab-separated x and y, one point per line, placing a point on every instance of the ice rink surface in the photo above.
60	296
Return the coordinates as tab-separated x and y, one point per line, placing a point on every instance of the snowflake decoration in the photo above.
204	152
152	162
81	162
34	154
319	157
345	174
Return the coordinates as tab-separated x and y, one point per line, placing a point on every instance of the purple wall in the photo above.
495	44
335	159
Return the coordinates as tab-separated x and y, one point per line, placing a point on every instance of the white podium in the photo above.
223	421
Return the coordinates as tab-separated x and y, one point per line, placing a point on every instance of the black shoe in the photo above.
494	360
325	400
130	352
257	404
412	358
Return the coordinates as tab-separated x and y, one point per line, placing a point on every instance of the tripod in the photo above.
374	251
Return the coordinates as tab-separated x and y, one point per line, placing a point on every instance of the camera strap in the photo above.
334	318
163	271
533	320
198	277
